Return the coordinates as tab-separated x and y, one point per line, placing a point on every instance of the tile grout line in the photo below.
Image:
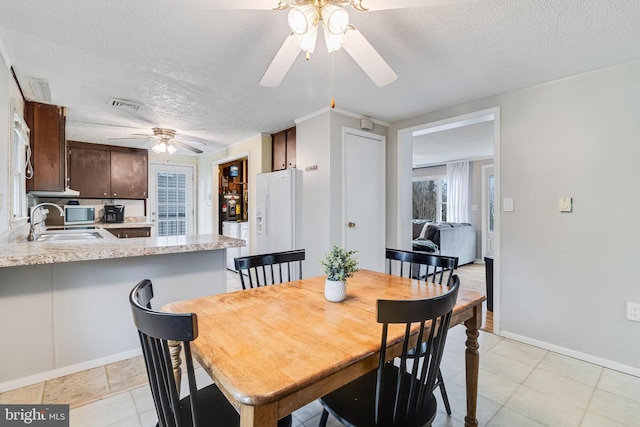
520	384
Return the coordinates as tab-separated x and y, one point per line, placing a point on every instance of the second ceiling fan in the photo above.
307	16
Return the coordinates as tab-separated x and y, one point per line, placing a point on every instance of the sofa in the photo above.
445	238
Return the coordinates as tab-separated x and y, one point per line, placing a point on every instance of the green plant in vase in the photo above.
338	264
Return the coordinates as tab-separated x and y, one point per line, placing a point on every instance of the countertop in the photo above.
36	253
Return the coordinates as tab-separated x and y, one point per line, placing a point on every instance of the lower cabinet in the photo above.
128	233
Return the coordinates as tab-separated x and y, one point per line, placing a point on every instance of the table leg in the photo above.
472	365
258	416
175	347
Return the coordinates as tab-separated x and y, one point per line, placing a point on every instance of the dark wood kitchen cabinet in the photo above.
130	233
283	149
47	139
89	170
105	171
129	175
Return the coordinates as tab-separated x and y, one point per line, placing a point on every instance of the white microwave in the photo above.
78	214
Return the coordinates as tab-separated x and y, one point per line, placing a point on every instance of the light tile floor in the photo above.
519	385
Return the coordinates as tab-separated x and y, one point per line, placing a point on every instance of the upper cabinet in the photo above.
129	175
104	171
47	140
89	170
283	149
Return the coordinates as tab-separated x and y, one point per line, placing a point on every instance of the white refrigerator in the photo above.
277	205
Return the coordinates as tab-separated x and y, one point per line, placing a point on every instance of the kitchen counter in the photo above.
72	296
35	253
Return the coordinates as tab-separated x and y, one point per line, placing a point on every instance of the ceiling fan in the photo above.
306	16
166	142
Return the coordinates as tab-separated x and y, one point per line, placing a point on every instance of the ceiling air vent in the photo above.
121	103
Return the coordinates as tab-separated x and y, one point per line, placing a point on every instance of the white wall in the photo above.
313	148
565	277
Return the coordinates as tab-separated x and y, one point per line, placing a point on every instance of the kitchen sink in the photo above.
57	237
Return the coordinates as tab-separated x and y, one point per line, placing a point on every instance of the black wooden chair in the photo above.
155	330
392	395
429	268
420	265
267	269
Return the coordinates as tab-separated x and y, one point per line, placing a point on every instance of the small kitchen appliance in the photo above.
79	214
113	213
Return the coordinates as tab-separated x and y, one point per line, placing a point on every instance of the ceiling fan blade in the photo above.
368	58
76	123
133	136
187	146
244	4
401	4
281	63
192	139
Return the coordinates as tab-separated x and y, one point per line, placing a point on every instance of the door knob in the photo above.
351	224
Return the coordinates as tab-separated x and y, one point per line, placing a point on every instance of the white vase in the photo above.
335	290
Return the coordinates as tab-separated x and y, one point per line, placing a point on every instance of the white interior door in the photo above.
488	210
171	200
363	192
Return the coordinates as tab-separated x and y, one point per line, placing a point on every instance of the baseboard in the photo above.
67	370
573	353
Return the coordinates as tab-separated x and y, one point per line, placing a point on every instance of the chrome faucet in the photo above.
31	237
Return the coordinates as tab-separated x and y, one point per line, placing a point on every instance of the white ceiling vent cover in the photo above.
121	103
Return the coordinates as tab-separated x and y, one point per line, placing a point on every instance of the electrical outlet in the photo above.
633	311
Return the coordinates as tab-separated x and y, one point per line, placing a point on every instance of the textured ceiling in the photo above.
467	142
196	69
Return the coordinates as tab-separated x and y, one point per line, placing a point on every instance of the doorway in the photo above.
171	200
403	179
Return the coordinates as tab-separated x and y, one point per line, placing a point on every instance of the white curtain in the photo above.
458	192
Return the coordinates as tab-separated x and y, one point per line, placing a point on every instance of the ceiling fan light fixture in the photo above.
307	41
302	19
171	149
160	147
333	41
335	18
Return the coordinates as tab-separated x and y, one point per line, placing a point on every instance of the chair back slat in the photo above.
413	387
422	266
269	269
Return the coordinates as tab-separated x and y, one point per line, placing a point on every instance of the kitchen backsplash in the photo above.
133	211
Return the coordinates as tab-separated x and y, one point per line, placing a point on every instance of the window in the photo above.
430	198
20	167
172	204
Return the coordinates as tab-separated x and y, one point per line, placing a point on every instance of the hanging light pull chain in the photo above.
333	101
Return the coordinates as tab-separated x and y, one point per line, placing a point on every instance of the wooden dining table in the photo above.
274	349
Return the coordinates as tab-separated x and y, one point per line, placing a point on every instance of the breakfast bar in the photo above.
64	303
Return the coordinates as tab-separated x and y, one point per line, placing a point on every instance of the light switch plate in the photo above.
565	204
507	204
